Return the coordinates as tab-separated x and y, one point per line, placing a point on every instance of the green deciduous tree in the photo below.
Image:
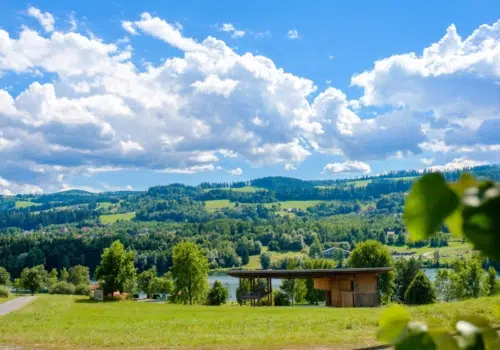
116	272
147	282
218	294
4	276
243	288
62	287
406	270
420	291
373	254
295	289
265	260
64	275
52	278
79	275
33	279
165	284
190	273
316	249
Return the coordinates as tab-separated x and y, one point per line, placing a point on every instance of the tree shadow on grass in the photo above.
92	301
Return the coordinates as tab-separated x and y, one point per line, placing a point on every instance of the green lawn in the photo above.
4	300
25	204
62	322
112	218
359	183
218	204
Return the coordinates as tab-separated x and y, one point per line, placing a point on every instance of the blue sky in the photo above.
128	94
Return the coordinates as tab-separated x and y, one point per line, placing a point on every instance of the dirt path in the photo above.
15	304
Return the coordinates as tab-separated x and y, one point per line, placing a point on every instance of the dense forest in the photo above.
229	220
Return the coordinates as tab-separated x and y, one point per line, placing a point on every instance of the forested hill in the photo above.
255	199
230	221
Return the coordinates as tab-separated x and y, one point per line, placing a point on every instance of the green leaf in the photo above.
393	322
455	220
429	203
455	223
444	340
481	222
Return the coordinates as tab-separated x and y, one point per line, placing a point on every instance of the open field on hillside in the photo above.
254	262
25	204
104	205
112	218
454	250
57	322
238	189
218	204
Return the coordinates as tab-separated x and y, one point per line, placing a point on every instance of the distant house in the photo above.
64	229
85	229
390	233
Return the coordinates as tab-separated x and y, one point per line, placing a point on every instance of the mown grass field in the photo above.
25	204
218	204
254	262
454	250
4	300
62	322
112	218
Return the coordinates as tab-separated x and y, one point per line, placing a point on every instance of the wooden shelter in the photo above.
351	287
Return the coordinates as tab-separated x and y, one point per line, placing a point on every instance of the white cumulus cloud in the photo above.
350	166
293	34
45	19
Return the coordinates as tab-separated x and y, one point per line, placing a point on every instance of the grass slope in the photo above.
25	204
254	262
62	322
218	204
454	250
112	218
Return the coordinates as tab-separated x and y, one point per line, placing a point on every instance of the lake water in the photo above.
231	283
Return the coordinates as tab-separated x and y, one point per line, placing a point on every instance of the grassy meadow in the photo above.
61	322
217	204
25	204
112	218
454	250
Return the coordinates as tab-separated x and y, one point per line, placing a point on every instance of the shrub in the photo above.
218	295
156	296
82	289
281	299
265	260
136	296
4	292
421	291
62	288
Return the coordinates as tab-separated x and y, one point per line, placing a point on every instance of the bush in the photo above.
218	295
281	299
4	292
136	296
82	289
156	296
62	288
421	291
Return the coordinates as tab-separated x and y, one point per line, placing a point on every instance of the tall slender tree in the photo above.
190	273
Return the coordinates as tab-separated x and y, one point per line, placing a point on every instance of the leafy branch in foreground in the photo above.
470	209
